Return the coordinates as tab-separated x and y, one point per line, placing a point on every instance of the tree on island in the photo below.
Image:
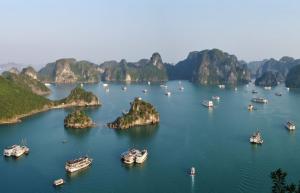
279	183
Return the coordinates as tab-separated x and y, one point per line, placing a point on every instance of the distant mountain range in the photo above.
207	67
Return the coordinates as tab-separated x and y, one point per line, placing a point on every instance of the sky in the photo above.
37	32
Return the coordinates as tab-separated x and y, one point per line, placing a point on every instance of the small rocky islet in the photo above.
78	120
140	113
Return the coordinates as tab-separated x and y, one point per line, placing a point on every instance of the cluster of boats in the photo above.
16	151
134	156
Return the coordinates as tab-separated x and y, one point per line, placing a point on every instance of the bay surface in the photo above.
216	142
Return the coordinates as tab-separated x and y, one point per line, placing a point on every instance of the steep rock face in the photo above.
27	82
140	113
14	70
78	120
293	77
143	70
268	79
69	70
80	98
281	67
29	71
210	67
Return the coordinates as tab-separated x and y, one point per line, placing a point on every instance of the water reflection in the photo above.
139	133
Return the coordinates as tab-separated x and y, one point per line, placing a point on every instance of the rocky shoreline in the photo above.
140	113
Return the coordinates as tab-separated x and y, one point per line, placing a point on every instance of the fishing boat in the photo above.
105	85
216	98
106	89
290	125
254	92
78	164
208	104
193	171
149	82
124	88
145	91
58	182
256	138
181	88
259	100
288	89
278	94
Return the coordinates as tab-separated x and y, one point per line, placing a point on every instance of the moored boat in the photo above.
250	107
124	88
278	94
141	156
222	86
268	88
16	151
260	100
168	93
256	138
134	156
290	125
145	91
208	104
78	164
216	98
193	171
58	182
254	92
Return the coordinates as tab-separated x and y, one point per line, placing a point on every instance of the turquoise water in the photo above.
215	142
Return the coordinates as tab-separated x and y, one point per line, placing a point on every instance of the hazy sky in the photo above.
40	31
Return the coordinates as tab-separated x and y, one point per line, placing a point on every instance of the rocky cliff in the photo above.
281	67
78	120
293	77
140	113
68	70
210	67
29	71
151	69
268	79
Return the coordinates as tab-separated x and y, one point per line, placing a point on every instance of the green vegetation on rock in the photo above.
140	113
78	119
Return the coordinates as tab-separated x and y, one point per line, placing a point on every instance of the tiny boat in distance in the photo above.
222	86
250	107
58	182
149	82
193	171
216	98
287	88
256	138
168	93
78	164
181	88
208	104
290	126
254	92
278	94
106	89
268	88
124	88
260	100
105	85
145	91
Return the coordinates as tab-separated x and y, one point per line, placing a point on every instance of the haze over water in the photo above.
216	142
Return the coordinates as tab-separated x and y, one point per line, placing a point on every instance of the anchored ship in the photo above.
256	138
222	86
15	151
208	104
78	164
250	107
216	98
290	125
260	100
58	182
134	156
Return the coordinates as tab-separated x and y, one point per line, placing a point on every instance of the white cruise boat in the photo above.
8	151
134	156
78	164
290	126
208	104
16	151
58	182
256	138
260	100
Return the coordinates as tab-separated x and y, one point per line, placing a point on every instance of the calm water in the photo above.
215	142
